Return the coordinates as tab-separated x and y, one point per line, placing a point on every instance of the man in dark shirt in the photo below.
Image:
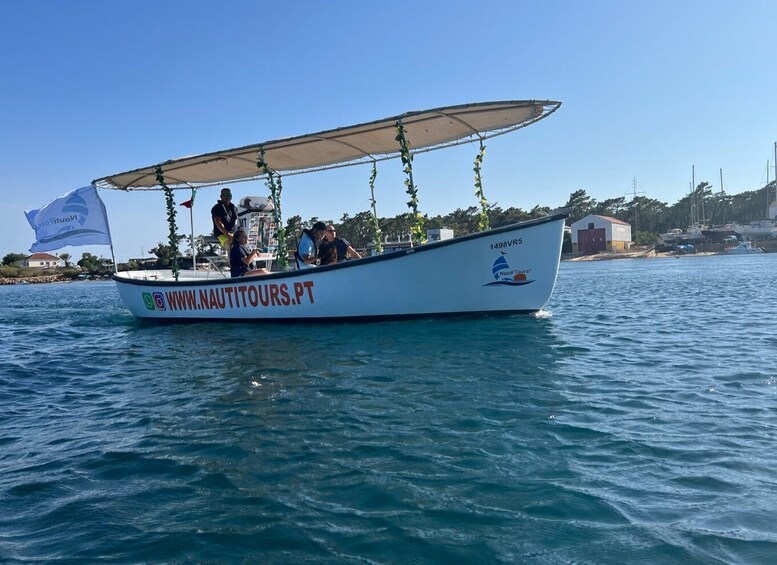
342	248
224	215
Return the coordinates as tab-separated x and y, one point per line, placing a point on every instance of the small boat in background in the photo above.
744	248
759	229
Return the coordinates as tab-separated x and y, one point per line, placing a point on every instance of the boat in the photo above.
719	234
743	248
509	269
758	229
694	233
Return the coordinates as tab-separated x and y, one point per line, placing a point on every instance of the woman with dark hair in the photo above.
240	259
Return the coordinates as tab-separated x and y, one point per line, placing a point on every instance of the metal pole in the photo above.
194	250
694	212
722	193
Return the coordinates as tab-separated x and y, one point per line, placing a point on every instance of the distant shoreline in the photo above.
608	256
565	258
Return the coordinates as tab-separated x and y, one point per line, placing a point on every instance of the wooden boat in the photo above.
510	269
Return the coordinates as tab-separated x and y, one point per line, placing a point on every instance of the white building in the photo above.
42	261
600	233
439	234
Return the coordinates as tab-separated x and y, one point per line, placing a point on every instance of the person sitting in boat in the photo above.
334	249
307	250
224	215
240	259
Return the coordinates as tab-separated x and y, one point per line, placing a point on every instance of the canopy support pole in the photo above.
406	156
282	255
483	223
172	238
377	234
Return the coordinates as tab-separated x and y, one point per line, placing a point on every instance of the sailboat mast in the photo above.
723	216
694	211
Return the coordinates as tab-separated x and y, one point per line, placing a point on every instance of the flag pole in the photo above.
190	205
194	250
108	226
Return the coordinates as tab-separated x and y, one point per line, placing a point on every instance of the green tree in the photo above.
12	259
581	205
499	217
613	207
89	263
294	227
358	230
66	258
165	253
206	248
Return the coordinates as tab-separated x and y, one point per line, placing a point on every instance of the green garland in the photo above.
172	238
375	228
276	187
412	190
483	222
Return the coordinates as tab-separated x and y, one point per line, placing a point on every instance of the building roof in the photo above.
42	257
613	220
606	218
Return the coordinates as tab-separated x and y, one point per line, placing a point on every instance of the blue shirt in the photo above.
237	268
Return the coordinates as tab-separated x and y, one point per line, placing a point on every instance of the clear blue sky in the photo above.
649	88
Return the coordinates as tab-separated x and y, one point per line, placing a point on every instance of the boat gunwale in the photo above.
557	215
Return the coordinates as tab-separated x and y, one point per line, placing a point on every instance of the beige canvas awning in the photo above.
426	131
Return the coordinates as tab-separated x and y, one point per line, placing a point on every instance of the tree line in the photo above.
647	216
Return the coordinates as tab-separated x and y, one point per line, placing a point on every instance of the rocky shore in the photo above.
35	280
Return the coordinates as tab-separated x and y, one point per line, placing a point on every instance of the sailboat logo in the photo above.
505	276
74	214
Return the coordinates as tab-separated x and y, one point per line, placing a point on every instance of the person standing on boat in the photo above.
307	250
342	248
224	215
240	259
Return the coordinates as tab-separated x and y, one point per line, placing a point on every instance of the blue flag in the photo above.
77	218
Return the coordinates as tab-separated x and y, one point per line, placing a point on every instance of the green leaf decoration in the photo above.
377	234
172	238
407	161
275	185
483	222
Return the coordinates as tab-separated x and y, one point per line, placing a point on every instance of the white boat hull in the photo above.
744	248
506	270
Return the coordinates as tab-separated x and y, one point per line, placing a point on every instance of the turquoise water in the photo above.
633	421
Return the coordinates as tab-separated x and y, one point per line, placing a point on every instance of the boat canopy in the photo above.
364	143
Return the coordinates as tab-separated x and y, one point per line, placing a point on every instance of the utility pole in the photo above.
634	192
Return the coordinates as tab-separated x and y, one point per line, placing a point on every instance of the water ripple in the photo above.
631	420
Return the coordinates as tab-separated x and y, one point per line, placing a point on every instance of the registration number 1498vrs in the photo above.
505	244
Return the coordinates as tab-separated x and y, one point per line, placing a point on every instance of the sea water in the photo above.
634	420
